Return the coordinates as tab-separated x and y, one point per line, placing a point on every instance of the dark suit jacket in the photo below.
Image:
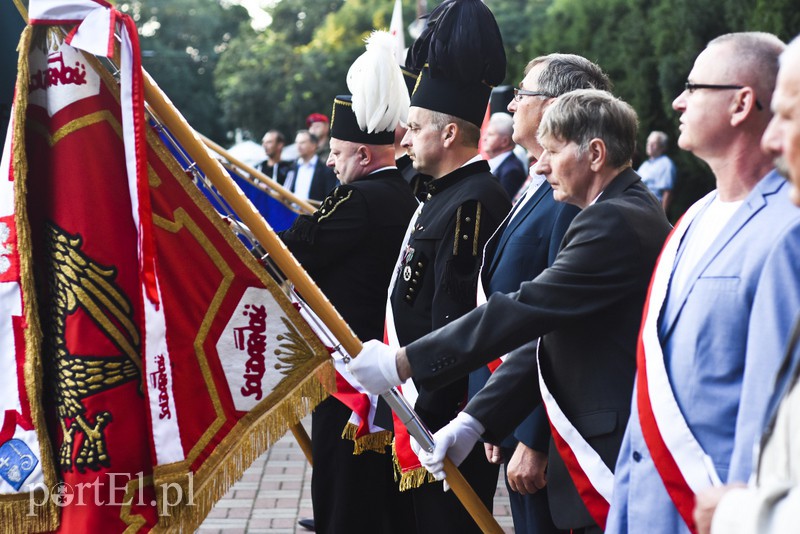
322	183
349	246
526	246
588	306
511	173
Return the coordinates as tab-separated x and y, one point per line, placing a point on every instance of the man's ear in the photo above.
743	105
597	154
449	133
364	156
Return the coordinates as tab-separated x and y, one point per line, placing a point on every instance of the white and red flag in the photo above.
170	359
398	32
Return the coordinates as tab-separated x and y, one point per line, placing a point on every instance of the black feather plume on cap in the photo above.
461	42
461	57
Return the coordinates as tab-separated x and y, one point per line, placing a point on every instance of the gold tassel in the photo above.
415	478
226	465
375	442
16	514
412	478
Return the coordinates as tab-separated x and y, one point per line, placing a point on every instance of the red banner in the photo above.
152	421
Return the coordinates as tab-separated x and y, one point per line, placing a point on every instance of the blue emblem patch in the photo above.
17	462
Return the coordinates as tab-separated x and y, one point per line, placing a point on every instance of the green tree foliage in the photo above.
274	78
648	48
517	19
181	42
296	20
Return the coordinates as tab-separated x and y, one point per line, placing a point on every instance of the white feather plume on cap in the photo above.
380	96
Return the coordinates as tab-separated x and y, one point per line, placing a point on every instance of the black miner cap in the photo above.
461	57
345	127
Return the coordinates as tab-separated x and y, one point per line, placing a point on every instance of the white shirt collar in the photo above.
312	162
497	160
477	157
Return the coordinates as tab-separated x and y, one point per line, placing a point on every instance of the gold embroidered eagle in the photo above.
75	280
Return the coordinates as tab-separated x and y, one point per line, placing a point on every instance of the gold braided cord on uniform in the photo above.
327	208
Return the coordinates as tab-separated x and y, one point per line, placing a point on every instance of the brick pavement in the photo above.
276	491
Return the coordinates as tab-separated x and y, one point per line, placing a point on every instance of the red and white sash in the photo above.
412	474
348	391
591	476
682	463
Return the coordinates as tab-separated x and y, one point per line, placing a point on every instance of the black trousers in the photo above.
353	493
439	512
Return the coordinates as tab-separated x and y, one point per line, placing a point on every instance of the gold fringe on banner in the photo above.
233	456
409	479
16	512
22	513
376	442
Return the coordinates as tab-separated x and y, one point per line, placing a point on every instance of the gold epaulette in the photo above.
468	225
339	196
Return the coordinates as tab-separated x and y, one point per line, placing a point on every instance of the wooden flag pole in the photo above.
275	189
191	142
188	138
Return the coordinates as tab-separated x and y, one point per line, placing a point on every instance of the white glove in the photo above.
456	440
375	367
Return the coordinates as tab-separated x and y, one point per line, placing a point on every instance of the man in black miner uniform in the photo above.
349	247
417	181
436	278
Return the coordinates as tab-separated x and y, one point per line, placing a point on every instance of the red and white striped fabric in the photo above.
348	391
680	460
591	476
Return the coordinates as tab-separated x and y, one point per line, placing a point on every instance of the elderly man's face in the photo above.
320	129
494	143
782	137
653	147
567	171
528	111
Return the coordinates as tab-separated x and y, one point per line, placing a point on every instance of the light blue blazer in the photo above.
723	338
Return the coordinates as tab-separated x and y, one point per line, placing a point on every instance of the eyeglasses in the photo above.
519	93
692	87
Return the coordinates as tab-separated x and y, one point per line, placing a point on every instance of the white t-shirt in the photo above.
707	227
305	175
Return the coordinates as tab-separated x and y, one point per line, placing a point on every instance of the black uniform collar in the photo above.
392	171
437	186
